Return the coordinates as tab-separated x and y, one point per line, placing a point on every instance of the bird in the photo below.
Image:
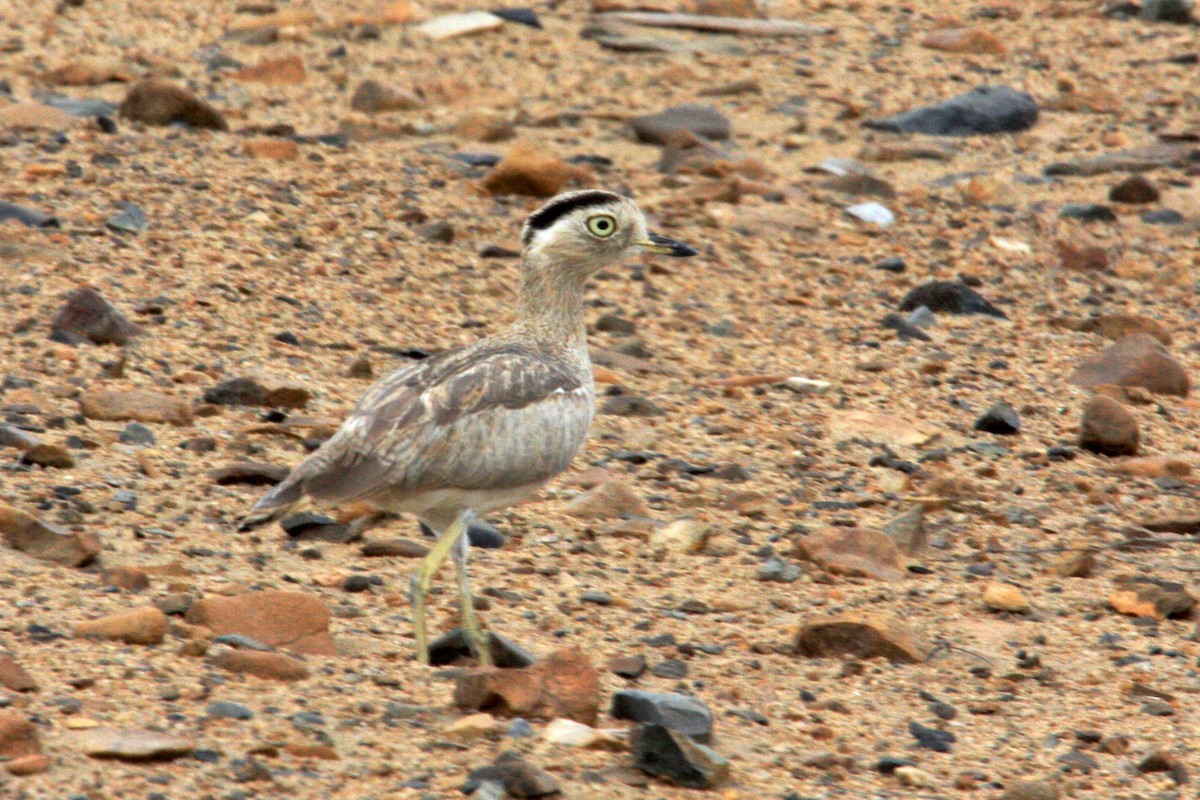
477	428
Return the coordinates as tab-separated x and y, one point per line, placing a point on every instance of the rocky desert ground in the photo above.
892	491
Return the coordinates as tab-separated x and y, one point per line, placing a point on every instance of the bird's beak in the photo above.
653	243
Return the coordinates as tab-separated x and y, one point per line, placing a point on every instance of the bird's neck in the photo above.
550	304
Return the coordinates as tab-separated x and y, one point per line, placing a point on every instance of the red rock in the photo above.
272	148
1108	428
141	405
528	168
862	635
1134	360
272	666
322	752
563	685
128	578
972	41
28	765
274	72
14	677
135	626
1084	258
45	542
49	455
481	125
156	102
1118	326
852	551
290	620
18	736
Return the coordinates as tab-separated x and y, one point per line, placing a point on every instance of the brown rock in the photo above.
852	551
156	102
481	125
272	148
971	41
86	315
1134	360
1084	258
274	72
141	405
88	72
14	677
529	168
726	8
130	579
33	116
907	530
609	500
372	97
287	397
28	765
290	620
863	635
45	542
563	685
18	736
322	752
1152	600
1118	326
272	666
1005	597
49	455
129	744
249	473
1135	189
1108	428
1153	467
395	548
136	626
1076	565
1032	790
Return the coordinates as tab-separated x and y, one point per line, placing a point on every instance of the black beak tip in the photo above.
677	249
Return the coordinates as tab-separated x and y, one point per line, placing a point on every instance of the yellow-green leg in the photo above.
476	637
424	578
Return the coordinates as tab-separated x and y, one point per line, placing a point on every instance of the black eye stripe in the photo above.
553	211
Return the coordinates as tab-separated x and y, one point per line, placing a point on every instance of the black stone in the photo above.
236	392
983	110
675	711
673	756
949	297
480	534
523	16
1088	212
1001	419
894	264
27	216
1176	11
931	738
889	764
312	527
452	645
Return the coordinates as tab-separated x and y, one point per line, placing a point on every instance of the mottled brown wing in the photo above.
489	417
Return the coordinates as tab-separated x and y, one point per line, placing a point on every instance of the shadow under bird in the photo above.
477	428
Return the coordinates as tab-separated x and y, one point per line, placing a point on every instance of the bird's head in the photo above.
589	230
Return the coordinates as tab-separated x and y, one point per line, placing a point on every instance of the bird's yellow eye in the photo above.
602	225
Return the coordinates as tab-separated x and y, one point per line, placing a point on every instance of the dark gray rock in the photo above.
27	216
452	645
518	777
130	219
311	527
135	433
236	392
983	110
696	118
675	757
931	738
1163	216
522	16
1088	212
678	712
87	316
480	533
78	106
1001	418
223	709
630	405
950	297
1176	11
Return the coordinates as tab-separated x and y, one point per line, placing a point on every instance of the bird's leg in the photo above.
477	639
424	578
